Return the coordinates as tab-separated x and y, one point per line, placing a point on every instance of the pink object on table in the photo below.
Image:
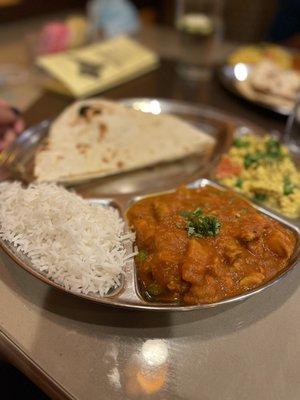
54	37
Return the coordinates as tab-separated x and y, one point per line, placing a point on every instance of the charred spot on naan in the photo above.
45	146
102	131
120	164
82	147
88	112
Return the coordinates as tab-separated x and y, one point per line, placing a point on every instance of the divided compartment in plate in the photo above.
202	182
24	261
19	159
129	294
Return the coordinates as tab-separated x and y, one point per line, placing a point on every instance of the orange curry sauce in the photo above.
248	249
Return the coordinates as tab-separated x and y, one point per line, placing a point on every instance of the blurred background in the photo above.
29	29
240	17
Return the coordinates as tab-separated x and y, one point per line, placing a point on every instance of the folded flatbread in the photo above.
268	77
272	85
96	137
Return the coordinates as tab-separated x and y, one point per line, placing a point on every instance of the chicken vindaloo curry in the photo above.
203	245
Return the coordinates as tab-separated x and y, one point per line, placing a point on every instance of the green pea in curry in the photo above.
204	245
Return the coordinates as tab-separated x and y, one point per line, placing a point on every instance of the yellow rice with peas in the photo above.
262	169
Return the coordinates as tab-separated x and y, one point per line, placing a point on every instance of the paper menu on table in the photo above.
99	66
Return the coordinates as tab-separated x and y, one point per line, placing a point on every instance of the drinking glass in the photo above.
291	136
199	23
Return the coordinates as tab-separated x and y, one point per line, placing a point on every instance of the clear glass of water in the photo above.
291	136
200	26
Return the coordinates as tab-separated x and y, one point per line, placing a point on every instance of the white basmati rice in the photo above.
78	245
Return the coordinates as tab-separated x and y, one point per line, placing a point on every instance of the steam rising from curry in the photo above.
204	245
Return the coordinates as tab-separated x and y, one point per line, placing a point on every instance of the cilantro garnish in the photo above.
273	149
186	214
252	158
200	225
239	183
288	186
240	142
260	197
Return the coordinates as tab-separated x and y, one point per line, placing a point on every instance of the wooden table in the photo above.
166	83
74	349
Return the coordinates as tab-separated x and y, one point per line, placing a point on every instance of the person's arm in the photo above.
11	124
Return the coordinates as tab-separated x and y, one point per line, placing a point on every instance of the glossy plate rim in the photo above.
118	300
199	110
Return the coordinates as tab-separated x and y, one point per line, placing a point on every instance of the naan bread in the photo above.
272	85
247	90
269	78
95	137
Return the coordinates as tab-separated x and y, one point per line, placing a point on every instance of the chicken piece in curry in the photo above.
204	245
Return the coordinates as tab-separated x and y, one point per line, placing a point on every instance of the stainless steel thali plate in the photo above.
232	75
122	190
128	295
18	160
